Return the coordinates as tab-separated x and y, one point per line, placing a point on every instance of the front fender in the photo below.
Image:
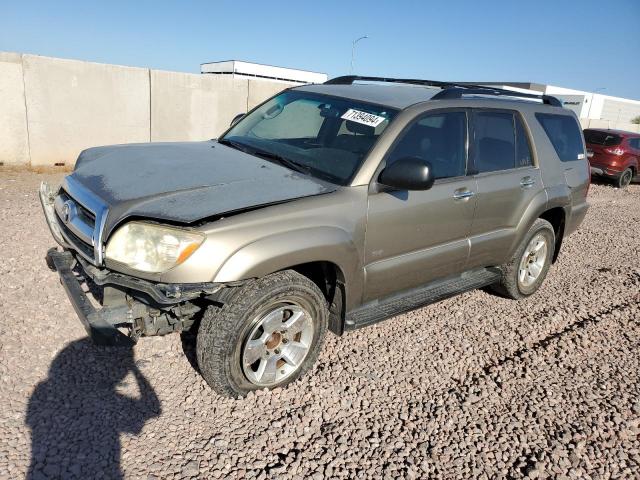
284	250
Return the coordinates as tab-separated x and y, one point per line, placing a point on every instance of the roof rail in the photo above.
450	90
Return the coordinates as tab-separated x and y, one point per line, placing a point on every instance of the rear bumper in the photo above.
97	323
602	171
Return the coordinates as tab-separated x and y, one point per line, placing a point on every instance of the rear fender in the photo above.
538	205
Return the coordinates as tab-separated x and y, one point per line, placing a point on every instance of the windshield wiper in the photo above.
285	162
290	164
237	145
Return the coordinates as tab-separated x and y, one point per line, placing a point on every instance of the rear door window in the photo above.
494	141
565	135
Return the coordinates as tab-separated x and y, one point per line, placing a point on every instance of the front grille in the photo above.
81	215
87	216
76	242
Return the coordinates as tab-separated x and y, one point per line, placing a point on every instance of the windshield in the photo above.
323	136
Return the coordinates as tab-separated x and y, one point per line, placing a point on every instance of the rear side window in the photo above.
494	141
564	134
599	137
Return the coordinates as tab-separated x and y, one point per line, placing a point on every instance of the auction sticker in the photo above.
363	117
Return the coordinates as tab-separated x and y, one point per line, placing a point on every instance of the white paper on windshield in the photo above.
363	117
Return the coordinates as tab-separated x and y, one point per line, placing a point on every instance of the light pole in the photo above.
599	89
353	50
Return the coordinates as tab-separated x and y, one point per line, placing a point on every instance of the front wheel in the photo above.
528	267
267	335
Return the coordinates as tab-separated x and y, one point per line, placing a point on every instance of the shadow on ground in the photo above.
77	414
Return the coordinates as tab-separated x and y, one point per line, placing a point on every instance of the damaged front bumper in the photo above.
123	303
99	326
127	304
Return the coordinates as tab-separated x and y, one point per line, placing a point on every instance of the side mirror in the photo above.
408	173
236	119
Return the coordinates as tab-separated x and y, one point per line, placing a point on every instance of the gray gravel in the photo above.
473	387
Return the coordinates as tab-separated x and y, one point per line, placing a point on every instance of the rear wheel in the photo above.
624	179
266	336
528	267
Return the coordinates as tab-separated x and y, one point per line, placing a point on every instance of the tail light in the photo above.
615	151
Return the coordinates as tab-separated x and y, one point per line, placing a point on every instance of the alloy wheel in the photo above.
277	344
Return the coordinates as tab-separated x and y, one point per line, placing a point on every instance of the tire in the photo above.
514	284
262	317
624	179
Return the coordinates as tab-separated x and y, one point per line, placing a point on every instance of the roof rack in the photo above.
450	90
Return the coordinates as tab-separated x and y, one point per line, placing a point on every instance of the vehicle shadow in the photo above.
76	415
602	181
188	340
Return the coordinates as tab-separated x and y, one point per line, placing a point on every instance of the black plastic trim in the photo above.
402	302
94	321
161	293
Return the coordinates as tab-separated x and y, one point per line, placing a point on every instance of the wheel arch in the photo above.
329	278
325	255
556	216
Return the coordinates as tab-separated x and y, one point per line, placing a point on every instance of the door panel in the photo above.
414	237
507	183
503	198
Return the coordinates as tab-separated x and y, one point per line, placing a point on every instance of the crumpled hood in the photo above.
185	182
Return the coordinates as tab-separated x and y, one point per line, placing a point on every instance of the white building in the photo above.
587	105
256	70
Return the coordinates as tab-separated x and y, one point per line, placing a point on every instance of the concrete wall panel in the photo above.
187	106
260	90
72	105
14	139
51	108
620	112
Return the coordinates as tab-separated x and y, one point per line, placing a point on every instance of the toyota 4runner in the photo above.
327	207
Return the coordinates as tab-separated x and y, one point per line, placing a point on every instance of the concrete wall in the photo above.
259	91
194	107
51	108
73	105
620	111
14	137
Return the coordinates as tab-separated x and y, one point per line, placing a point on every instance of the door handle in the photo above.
527	182
463	194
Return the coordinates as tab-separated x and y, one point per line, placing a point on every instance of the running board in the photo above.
377	311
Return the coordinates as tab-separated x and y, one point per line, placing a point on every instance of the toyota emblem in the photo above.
66	212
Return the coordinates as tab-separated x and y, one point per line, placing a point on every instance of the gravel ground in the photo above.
473	387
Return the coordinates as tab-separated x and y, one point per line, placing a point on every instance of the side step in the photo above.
377	311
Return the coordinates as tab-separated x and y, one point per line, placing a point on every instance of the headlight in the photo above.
152	248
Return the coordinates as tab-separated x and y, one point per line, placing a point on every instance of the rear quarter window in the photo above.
599	137
565	135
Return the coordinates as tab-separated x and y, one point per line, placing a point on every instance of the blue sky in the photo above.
580	44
